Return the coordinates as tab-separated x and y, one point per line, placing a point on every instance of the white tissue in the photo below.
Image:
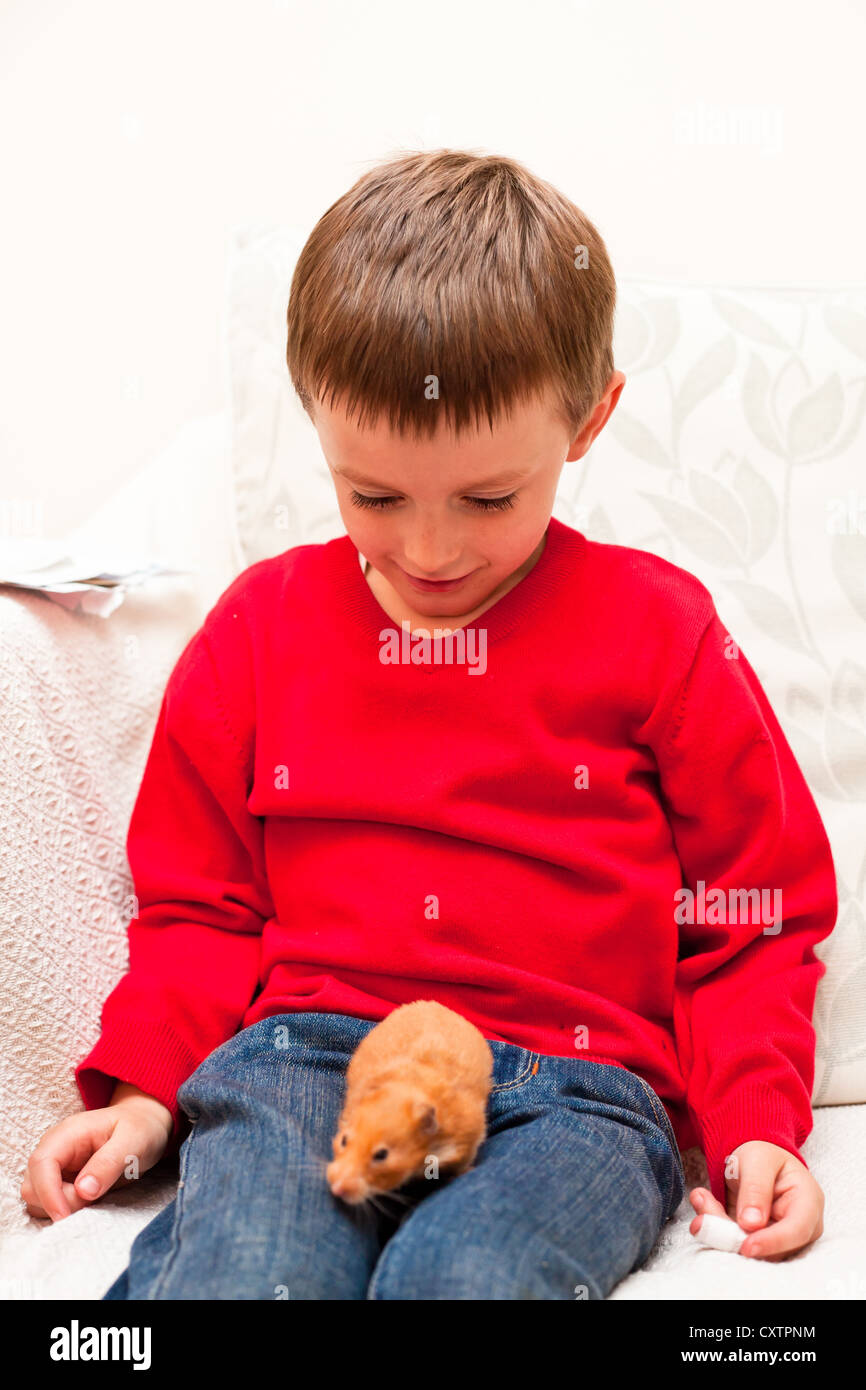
720	1233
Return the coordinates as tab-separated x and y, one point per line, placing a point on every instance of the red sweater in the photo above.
509	832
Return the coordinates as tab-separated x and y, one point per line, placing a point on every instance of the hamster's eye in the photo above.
343	1142
379	1155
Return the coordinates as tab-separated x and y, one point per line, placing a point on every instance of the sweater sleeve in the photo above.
201	895
743	819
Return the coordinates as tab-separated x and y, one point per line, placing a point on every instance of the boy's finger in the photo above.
104	1168
703	1200
756	1188
705	1204
34	1206
794	1230
63	1150
28	1197
47	1182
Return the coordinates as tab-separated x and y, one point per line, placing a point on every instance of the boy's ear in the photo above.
425	1117
598	418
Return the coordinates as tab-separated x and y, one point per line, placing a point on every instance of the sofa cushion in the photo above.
79	698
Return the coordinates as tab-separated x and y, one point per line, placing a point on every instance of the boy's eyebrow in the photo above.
504	479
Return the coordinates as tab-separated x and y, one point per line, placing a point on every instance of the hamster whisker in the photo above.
365	1214
392	1196
374	1200
379	1200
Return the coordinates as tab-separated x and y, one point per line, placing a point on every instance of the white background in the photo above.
717	142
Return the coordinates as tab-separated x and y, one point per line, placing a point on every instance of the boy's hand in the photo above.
97	1146
788	1201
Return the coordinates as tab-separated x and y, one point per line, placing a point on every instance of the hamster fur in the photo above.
416	1089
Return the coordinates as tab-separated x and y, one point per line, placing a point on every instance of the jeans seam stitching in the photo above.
174	1240
377	1271
661	1119
667	1129
519	1079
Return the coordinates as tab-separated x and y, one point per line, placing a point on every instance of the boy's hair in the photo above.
458	266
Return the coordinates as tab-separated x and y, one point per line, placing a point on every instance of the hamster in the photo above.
416	1089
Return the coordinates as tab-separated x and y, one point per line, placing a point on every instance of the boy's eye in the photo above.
380	1154
484	504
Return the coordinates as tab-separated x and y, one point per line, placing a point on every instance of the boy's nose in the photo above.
431	559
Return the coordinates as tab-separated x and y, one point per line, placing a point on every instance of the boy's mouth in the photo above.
436	586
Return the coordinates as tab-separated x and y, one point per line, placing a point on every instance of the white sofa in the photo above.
739	431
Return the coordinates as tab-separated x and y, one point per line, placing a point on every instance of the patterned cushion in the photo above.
79	698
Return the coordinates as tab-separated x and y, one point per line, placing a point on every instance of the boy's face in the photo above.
467	514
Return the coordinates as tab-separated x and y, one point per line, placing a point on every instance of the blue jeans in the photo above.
577	1176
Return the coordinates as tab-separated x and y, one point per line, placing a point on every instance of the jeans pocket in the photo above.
514	1067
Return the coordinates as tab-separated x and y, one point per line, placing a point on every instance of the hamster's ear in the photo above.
363	1094
425	1117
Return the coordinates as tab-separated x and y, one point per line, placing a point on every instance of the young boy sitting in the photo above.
461	753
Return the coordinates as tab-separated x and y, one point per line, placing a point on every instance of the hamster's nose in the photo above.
338	1182
349	1189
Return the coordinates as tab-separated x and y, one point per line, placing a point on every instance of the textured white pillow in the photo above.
79	698
734	451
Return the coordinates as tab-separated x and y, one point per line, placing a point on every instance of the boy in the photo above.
501	766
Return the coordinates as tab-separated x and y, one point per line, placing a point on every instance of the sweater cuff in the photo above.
756	1111
144	1054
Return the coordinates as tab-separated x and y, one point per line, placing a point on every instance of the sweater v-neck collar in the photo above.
564	548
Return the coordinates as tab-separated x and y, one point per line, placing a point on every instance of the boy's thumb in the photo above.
100	1173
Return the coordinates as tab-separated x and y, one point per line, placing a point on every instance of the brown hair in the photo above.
459	266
